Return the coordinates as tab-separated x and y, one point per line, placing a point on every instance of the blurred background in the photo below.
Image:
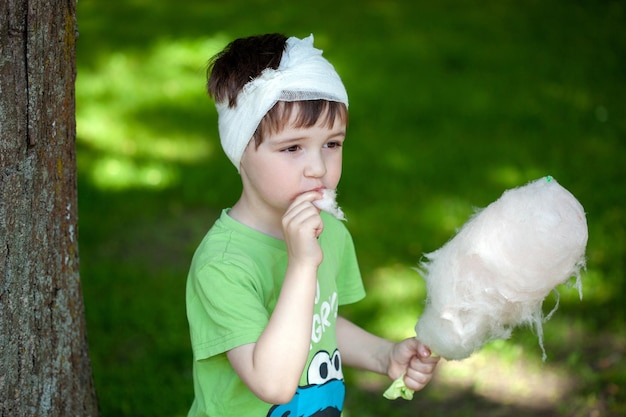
451	103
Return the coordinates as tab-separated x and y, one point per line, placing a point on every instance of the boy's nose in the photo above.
316	166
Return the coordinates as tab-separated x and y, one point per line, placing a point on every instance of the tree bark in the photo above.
44	361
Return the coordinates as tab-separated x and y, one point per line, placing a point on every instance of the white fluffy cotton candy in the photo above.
496	272
329	204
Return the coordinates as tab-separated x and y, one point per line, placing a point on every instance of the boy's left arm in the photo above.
364	350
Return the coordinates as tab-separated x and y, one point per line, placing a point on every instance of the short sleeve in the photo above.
224	307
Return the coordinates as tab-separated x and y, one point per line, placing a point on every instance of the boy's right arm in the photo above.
272	366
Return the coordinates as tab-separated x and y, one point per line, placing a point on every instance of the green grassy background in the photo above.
452	102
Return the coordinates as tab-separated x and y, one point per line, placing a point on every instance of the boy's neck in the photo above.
264	222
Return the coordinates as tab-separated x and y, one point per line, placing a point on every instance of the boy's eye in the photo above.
291	149
333	144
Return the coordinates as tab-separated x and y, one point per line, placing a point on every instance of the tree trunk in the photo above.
44	362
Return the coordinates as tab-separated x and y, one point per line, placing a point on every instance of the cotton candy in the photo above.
329	204
495	273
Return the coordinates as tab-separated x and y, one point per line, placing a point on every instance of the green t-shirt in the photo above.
232	288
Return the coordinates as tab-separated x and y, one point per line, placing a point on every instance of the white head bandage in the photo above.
303	74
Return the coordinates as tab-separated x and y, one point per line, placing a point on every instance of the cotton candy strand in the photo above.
328	203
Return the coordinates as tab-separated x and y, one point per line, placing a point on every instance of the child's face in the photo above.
291	162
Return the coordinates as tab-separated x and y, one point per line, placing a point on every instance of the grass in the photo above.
451	104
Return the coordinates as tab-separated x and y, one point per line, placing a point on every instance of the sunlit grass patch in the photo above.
130	110
507	374
111	172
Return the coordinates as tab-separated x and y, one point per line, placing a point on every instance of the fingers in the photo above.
303	202
415	360
302	225
423	351
303	215
420	372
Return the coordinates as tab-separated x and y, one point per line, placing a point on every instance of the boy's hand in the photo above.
302	225
413	359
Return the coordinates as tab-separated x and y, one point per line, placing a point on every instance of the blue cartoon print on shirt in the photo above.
324	394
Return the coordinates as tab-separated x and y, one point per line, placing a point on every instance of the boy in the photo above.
265	283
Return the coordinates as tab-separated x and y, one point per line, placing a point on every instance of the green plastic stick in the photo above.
398	389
